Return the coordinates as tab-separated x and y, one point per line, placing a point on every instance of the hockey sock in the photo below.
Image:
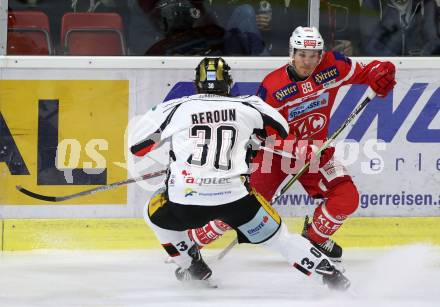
323	225
297	250
342	200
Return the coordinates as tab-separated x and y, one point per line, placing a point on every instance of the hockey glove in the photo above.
382	78
307	151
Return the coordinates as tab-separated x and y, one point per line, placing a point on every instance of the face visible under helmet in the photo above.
212	76
307	38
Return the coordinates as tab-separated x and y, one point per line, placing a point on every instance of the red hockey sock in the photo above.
323	225
342	201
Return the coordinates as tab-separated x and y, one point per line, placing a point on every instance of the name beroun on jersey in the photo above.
216	116
389	118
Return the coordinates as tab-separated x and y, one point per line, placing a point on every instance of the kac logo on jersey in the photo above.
308	106
309	125
286	92
326	75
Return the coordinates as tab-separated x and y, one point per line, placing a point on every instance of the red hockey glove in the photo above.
306	151
382	78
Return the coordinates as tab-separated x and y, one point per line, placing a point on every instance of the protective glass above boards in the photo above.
381	27
219	27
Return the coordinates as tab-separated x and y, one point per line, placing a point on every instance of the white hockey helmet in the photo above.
305	38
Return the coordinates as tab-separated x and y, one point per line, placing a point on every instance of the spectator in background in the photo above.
276	19
153	21
278	23
184	27
270	21
399	27
243	35
339	25
190	27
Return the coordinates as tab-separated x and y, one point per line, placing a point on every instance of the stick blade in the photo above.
37	196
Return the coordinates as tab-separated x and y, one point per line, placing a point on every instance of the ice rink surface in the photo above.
400	277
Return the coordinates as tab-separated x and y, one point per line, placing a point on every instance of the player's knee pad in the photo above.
332	174
157	200
263	225
342	200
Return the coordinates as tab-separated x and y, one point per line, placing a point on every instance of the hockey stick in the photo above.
278	152
324	146
91	191
227	249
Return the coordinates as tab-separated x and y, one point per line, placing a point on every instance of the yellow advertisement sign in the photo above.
62	137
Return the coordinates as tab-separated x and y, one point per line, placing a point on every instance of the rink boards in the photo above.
64	122
80	234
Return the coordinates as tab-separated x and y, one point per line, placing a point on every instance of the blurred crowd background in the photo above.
219	27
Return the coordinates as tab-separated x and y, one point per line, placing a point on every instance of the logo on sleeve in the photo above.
326	75
286	92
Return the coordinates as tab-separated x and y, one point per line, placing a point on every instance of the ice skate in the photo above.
198	273
329	248
332	277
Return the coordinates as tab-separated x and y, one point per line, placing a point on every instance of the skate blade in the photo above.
352	293
200	284
335	260
339	266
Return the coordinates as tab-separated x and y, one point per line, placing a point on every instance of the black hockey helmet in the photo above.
212	76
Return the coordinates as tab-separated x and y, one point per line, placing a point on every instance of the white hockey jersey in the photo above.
209	144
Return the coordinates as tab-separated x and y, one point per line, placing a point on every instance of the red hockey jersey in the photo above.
306	105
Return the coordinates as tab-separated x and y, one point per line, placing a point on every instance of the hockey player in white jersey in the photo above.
207	180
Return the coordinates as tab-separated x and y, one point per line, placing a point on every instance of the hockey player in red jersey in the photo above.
304	91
